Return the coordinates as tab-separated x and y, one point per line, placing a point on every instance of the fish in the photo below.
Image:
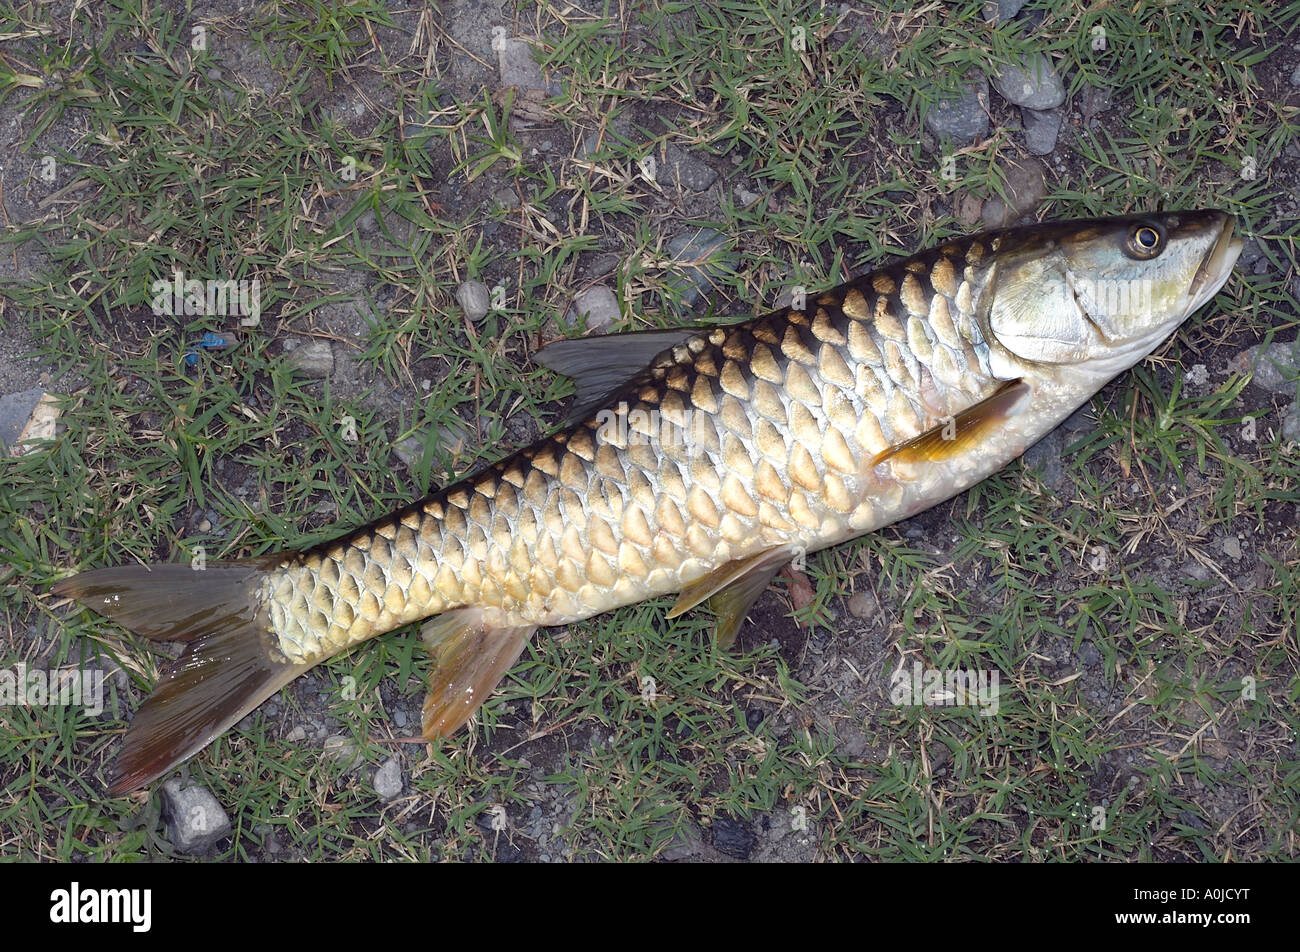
697	461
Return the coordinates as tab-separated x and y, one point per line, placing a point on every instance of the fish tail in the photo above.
231	662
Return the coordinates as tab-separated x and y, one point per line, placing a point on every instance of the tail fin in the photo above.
231	661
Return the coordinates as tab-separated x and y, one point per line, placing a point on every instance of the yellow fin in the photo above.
732	589
963	432
470	658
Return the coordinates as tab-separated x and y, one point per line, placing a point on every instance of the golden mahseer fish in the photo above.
697	461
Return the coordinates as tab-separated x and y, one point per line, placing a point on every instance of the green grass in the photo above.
185	168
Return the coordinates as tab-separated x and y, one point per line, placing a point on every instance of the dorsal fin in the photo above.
601	365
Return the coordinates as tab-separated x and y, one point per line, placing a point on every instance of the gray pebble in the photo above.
1045	456
679	168
195	820
474	299
399	717
367	222
1273	367
342	750
388	780
506	197
598	303
1000	11
1031	82
409	450
962	116
1231	546
15	410
1291	424
1295	77
314	358
1041	129
1025	186
1089	654
699	256
297	735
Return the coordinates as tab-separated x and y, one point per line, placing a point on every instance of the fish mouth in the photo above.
1216	266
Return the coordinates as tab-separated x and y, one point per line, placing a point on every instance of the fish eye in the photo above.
1145	241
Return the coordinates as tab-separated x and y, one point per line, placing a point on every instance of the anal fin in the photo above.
471	656
732	589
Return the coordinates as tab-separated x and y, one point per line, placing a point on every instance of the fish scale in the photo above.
787	405
701	461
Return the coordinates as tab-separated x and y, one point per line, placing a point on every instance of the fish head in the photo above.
1107	291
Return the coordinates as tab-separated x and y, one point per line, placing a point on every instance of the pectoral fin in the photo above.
732	589
964	432
470	657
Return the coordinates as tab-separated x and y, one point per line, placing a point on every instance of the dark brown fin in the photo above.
229	666
470	658
963	432
732	589
601	365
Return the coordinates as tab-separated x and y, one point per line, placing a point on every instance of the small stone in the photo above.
474	299
1041	129
313	358
1031	81
15	410
399	717
597	304
679	168
1094	101
733	838
1295	77
342	750
195	820
367	222
1045	457
506	197
1232	548
1196	571
862	605
1025	186
1000	11
698	257
1088	654
388	780
1291	424
962	116
297	735
409	451
1273	367
968	208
